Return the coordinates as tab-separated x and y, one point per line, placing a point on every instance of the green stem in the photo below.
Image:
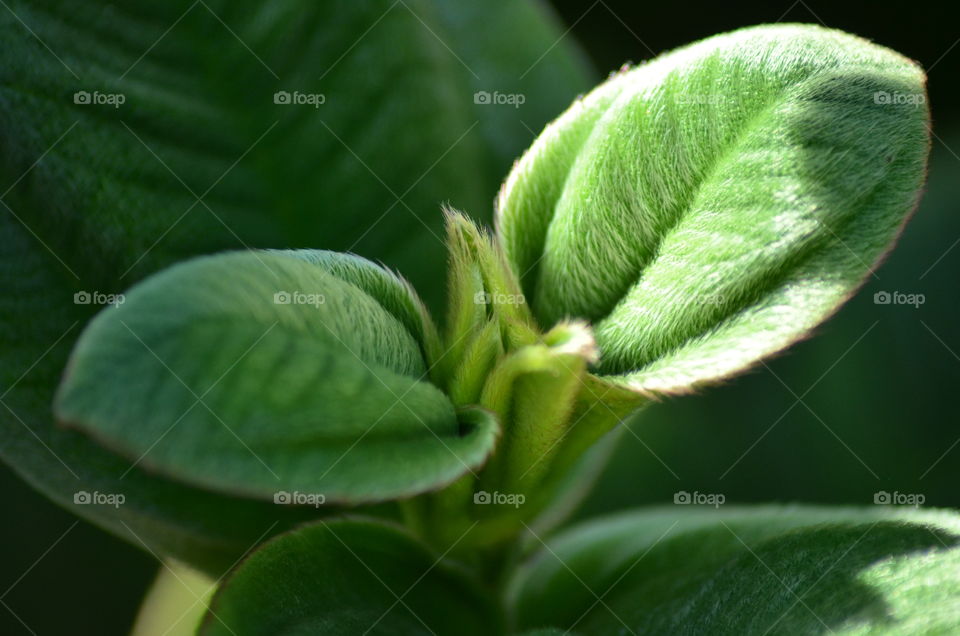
175	603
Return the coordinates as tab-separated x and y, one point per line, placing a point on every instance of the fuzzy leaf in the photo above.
712	206
256	373
348	577
771	570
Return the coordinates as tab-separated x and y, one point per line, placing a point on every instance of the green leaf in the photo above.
99	197
348	577
257	373
392	292
775	570
711	207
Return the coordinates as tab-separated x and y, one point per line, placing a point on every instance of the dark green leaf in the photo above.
348	577
255	373
774	570
96	200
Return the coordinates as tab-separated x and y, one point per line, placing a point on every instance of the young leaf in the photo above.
257	373
714	205
535	390
776	570
348	577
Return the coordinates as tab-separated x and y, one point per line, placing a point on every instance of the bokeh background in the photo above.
867	405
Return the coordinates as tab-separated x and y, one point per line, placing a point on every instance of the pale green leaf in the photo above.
712	206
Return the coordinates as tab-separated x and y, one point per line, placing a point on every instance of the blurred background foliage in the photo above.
865	406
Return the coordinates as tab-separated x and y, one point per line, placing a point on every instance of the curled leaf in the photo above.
263	373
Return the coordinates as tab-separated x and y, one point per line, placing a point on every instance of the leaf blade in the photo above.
348	577
203	375
744	569
713	206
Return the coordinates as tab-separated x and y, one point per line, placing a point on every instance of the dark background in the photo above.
877	384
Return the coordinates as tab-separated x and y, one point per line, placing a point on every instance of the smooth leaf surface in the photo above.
99	197
348	577
712	206
253	373
766	570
